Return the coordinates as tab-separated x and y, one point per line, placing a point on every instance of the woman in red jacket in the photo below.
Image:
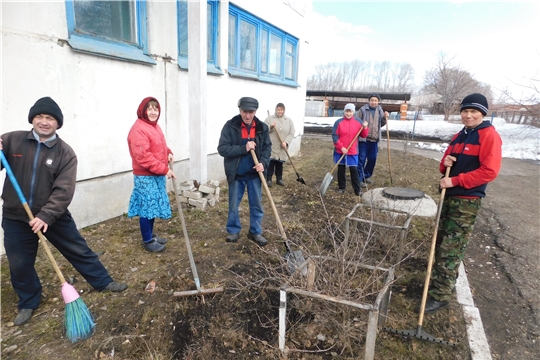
344	134
150	158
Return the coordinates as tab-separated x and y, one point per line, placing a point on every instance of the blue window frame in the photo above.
260	51
212	13
114	29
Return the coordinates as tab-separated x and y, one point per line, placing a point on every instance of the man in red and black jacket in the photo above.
240	135
474	156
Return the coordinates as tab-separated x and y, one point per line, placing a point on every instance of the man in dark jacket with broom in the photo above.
46	170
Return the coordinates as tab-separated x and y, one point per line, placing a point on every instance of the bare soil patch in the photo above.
242	322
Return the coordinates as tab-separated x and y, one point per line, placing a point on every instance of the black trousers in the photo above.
355	180
21	246
277	166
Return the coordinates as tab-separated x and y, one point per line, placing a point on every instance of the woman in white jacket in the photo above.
285	126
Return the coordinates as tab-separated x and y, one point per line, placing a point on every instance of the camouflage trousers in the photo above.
455	227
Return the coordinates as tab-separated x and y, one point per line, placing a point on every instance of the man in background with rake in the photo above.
46	168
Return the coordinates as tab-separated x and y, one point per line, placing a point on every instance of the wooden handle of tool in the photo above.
265	185
184	230
388	151
46	246
432	253
286	151
351	144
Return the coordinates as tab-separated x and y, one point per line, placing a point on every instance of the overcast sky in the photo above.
497	42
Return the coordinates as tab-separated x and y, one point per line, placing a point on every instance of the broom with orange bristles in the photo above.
78	320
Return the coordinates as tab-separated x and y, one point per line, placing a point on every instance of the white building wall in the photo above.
99	96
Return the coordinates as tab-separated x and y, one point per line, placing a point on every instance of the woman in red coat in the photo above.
150	158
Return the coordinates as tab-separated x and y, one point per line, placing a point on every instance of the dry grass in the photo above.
241	322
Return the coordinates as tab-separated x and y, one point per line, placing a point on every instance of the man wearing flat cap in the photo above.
239	136
45	168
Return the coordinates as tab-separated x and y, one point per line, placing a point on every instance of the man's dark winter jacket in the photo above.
46	173
478	154
232	148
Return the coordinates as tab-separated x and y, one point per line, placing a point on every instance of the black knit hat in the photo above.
248	104
475	101
48	106
374	95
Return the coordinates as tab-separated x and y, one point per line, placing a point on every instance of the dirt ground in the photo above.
502	259
242	321
503	262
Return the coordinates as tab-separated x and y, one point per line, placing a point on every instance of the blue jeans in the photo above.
367	158
256	212
21	249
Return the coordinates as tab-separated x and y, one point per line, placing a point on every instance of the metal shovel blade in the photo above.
301	180
420	334
294	260
325	183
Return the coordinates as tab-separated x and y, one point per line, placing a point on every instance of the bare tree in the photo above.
529	103
404	78
327	77
380	75
451	83
362	76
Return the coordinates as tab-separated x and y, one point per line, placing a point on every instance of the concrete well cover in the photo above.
397	193
411	201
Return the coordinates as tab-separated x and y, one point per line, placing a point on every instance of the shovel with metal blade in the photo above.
298	177
329	177
418	332
294	258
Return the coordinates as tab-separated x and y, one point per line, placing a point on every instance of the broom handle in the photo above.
351	144
432	253
46	246
31	216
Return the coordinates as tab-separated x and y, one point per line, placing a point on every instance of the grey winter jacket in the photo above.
365	114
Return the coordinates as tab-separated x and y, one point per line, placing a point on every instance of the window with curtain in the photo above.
259	50
115	29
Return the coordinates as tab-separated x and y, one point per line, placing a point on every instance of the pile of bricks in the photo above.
199	195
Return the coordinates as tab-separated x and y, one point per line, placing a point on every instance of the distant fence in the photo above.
315	109
520	117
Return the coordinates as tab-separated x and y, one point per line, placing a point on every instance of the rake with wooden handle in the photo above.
200	290
418	332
